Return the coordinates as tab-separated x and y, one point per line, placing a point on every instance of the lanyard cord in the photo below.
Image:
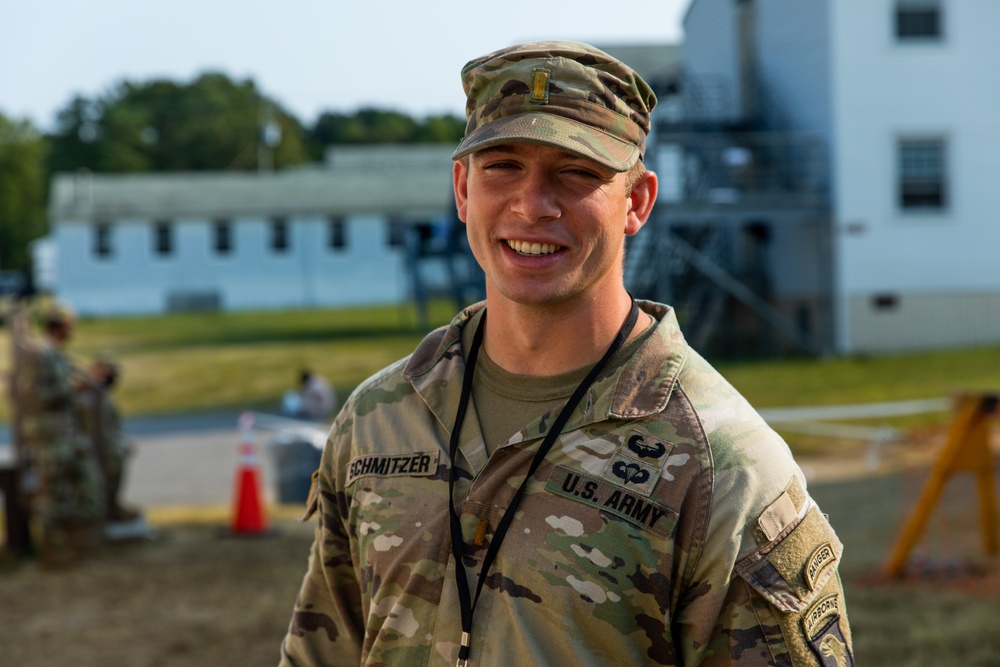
467	602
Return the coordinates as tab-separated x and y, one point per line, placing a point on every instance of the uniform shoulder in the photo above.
751	464
377	386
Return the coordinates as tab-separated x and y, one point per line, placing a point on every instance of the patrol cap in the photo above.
57	314
566	95
106	360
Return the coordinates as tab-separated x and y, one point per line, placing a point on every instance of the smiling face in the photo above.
548	227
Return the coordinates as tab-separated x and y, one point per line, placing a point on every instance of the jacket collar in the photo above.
639	388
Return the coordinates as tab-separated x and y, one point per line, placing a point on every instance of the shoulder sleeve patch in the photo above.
823	628
789	572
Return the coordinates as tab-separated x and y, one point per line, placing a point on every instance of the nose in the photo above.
534	197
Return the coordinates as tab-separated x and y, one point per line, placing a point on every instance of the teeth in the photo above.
527	248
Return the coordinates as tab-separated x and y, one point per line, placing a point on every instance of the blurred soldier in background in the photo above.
98	418
315	399
59	479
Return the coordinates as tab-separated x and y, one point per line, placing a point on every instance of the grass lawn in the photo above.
236	360
216	361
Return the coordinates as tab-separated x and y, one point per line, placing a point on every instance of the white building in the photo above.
319	236
343	234
892	107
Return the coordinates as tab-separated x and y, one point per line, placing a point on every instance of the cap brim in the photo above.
554	131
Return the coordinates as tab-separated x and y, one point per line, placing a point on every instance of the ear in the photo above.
460	181
641	201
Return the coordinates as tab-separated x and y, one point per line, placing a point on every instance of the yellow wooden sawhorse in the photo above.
966	450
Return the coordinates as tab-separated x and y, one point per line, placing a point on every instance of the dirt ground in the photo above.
195	596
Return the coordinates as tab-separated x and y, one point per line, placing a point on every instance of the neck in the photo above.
553	339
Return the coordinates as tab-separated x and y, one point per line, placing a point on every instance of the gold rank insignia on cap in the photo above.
540	85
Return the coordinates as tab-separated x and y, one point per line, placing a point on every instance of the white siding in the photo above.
794	67
710	56
134	279
884	90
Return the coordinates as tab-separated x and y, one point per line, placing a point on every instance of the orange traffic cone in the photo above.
248	511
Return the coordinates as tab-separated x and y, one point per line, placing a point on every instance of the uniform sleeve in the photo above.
53	386
781	602
327	625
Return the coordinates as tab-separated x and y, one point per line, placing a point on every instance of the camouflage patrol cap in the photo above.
566	95
58	314
106	360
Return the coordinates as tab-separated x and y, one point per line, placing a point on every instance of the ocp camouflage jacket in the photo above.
668	525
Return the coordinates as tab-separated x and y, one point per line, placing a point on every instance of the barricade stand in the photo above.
248	509
966	450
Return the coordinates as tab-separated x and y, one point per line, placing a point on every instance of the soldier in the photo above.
98	418
556	478
61	484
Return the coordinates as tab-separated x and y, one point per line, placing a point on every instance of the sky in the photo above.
309	55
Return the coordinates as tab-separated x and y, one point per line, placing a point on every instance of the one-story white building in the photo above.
326	236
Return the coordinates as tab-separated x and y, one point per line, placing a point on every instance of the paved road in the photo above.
192	459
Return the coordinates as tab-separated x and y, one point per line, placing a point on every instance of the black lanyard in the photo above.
467	602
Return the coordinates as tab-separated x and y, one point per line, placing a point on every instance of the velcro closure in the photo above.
778	516
791	571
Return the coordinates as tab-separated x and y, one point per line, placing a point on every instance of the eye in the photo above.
499	165
586	173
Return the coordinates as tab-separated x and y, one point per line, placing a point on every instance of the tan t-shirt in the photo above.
506	402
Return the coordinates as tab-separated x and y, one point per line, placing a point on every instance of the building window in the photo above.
918	20
102	240
223	237
163	238
397	233
338	234
923	182
279	235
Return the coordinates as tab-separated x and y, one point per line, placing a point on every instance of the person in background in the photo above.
314	400
556	478
98	417
60	480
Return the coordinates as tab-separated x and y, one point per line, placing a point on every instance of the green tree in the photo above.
212	123
380	126
443	128
23	188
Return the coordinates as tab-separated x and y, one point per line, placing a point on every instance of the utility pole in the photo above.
269	136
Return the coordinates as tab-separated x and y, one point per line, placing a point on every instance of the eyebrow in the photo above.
498	148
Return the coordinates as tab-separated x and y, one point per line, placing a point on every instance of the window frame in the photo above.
280	241
102	246
337	237
906	17
925	177
163	238
222	237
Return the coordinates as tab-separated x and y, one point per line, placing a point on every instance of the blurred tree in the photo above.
212	123
380	126
441	129
23	187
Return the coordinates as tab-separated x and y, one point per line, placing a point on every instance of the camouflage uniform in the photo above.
98	418
65	494
668	525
